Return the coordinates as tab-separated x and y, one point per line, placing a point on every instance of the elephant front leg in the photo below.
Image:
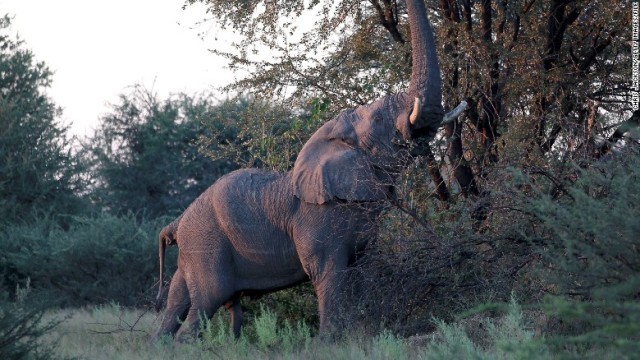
178	304
329	290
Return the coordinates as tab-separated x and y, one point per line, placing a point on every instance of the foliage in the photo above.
38	172
543	79
593	232
413	272
264	331
96	260
292	305
143	155
262	135
591	244
337	52
507	337
22	328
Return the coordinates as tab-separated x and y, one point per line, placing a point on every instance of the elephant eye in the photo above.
349	141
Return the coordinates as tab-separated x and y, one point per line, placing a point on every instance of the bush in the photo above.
506	337
264	331
591	246
22	328
97	260
414	271
292	305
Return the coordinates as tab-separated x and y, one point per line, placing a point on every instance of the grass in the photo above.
113	332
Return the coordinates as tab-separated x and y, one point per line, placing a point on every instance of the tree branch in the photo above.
389	18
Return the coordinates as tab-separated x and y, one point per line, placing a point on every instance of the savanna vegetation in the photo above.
515	233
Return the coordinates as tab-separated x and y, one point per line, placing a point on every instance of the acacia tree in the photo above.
541	77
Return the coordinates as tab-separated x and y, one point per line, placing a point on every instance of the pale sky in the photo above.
97	49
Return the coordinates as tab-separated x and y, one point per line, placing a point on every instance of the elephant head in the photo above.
353	156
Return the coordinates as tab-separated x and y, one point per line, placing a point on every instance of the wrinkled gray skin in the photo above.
169	237
255	231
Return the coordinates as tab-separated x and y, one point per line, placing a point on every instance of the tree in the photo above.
38	171
350	69
543	78
256	133
144	156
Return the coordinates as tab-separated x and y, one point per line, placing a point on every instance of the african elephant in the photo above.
255	231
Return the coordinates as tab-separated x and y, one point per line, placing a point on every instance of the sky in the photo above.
99	49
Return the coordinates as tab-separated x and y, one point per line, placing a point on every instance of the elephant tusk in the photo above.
415	113
453	114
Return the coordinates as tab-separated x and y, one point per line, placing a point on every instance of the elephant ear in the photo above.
330	166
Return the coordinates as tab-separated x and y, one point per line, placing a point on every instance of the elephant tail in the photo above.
167	237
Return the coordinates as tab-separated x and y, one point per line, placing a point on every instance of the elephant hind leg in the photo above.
235	309
208	293
178	304
199	310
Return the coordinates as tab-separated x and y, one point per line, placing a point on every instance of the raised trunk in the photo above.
425	83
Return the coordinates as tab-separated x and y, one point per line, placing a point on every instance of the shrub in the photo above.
291	305
21	329
591	246
509	336
413	272
265	331
100	259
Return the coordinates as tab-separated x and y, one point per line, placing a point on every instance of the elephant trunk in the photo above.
425	87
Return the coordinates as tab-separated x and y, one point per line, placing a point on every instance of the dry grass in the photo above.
112	332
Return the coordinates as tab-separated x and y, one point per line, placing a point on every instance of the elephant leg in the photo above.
328	289
209	289
327	273
178	304
203	310
236	315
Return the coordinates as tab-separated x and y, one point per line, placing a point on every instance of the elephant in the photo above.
254	231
